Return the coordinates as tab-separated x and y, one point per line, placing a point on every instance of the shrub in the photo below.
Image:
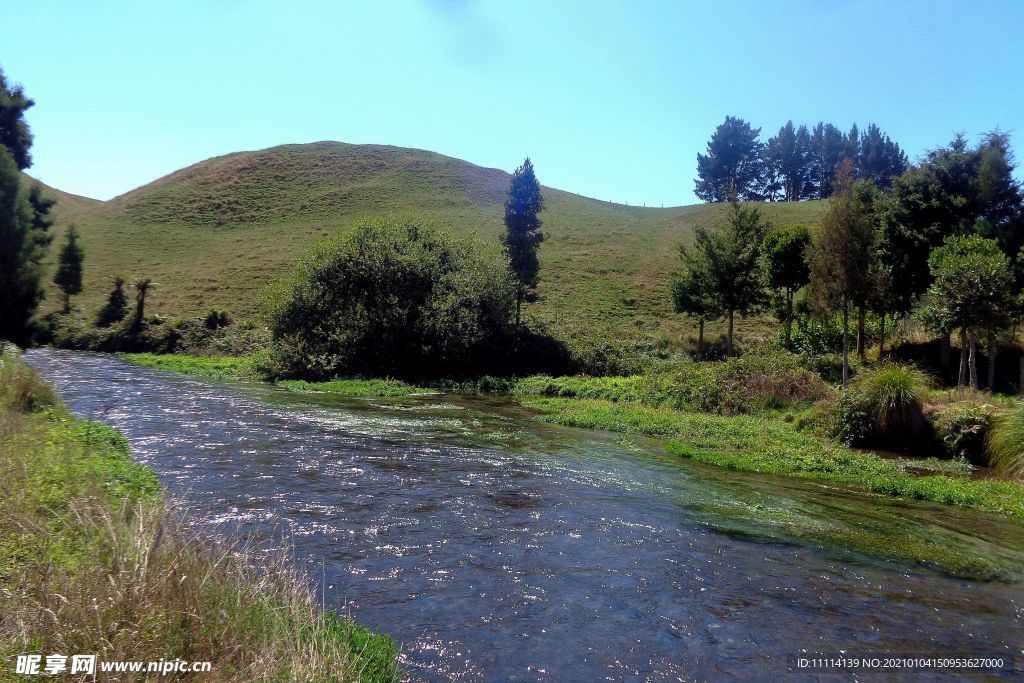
395	297
1005	443
889	396
737	385
962	427
216	318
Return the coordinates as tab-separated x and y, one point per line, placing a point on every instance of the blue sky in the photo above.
610	99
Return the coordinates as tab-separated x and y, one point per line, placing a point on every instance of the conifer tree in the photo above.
522	235
69	267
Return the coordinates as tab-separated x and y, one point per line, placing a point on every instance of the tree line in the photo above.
796	163
941	241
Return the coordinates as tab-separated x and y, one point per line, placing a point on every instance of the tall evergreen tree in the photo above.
69	267
828	148
789	153
14	131
23	221
852	149
732	255
522	235
879	158
732	165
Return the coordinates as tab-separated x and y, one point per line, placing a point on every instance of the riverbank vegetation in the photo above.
93	560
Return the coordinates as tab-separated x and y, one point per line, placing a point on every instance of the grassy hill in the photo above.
216	233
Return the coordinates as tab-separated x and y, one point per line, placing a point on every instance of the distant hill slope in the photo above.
215	234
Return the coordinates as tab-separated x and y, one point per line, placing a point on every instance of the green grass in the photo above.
91	560
765	445
209	367
215	234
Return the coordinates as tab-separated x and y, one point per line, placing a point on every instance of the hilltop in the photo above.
215	234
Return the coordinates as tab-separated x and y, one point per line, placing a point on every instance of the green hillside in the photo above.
216	233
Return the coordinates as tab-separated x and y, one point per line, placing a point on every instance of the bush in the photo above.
1005	443
737	385
883	407
962	427
397	297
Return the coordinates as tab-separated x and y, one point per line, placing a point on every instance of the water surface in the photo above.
495	547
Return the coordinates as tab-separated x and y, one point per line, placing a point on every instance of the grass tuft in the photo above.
1005	443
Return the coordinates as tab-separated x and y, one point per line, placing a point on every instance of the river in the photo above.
493	546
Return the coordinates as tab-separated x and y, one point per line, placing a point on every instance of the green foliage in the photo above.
955	190
785	264
1005	443
116	308
785	257
962	427
69	267
972	288
522	235
395	297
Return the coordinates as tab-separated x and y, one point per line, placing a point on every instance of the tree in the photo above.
828	148
693	293
879	158
732	256
142	287
522	235
116	307
24	221
69	267
841	255
955	190
396	297
789	155
786	270
732	164
14	131
972	292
